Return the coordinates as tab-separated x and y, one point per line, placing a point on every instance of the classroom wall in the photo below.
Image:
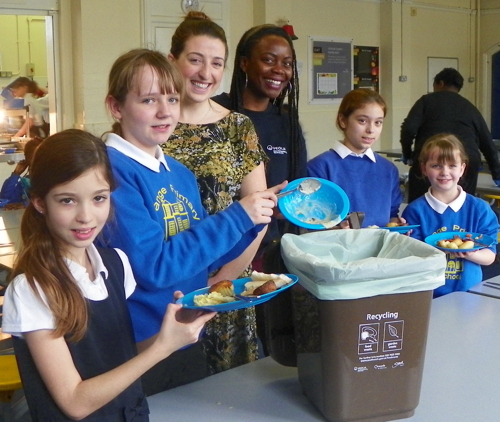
22	42
489	44
94	32
407	32
101	31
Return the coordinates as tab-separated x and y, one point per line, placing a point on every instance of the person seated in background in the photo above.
370	181
14	188
29	90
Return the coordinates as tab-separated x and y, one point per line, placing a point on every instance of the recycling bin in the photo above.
361	332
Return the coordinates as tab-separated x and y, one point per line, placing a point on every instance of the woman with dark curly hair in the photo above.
265	87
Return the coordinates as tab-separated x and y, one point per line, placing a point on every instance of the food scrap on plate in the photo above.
259	284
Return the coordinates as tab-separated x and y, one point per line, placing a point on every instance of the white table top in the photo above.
490	287
460	381
486	186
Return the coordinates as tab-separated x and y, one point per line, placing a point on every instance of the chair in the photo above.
495	205
10	380
495	199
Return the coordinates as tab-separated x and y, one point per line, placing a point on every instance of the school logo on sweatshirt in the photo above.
176	215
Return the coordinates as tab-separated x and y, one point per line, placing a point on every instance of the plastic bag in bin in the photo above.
351	264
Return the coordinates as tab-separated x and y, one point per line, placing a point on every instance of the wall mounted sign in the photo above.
331	69
366	67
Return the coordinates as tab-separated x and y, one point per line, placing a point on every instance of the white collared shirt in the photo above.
344	151
24	311
440	207
153	163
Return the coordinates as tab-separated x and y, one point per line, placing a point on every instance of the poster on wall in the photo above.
331	65
366	67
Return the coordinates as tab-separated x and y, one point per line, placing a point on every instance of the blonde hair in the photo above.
127	69
447	145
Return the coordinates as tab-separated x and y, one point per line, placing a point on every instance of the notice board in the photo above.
330	69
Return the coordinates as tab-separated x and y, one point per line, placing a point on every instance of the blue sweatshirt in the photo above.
160	223
371	186
468	214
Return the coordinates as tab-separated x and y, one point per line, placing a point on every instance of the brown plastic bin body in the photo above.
362	359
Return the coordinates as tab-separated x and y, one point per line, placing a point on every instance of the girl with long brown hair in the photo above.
66	305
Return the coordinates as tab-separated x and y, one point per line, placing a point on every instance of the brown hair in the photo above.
356	99
447	145
127	69
195	24
59	159
30	148
31	85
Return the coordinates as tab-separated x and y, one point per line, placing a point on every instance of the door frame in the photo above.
487	82
52	44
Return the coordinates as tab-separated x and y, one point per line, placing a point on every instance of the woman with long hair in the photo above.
265	87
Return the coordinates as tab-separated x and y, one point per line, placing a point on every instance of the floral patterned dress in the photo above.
220	155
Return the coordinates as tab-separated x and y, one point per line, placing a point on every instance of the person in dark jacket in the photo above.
446	111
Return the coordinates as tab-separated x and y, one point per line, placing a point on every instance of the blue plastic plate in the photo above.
435	238
329	205
239	286
401	229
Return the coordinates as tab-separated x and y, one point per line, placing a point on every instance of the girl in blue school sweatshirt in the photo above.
160	222
446	207
370	181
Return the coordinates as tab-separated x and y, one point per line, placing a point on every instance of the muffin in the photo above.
223	287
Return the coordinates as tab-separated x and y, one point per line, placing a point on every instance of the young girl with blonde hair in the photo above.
447	207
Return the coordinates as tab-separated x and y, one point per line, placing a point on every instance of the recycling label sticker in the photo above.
393	336
381	341
368	340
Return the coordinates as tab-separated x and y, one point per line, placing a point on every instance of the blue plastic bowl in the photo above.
325	208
